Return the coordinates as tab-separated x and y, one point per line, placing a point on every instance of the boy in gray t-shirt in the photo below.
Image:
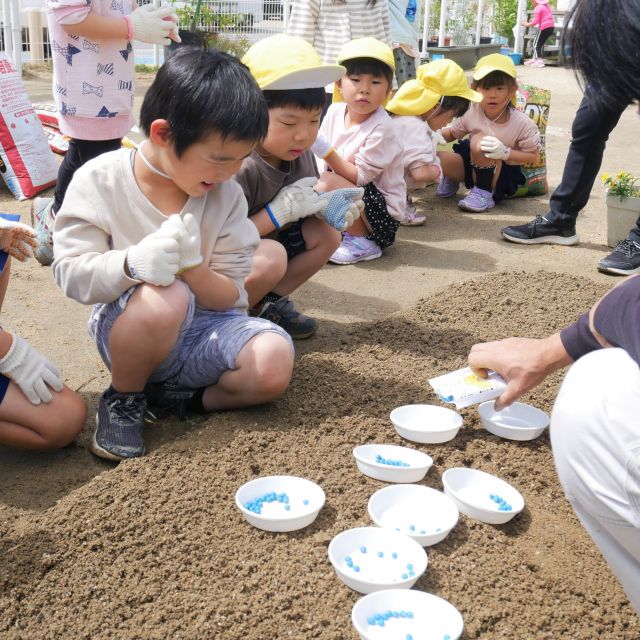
299	228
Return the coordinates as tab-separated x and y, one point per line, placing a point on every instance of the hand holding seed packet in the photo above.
464	387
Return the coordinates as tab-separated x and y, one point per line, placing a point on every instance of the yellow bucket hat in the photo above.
284	62
365	48
434	80
494	62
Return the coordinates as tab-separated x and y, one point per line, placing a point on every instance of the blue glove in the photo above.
342	207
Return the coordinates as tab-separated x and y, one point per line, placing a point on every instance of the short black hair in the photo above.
602	38
495	79
371	66
201	92
307	99
457	105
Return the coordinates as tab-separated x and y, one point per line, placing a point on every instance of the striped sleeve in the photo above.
303	18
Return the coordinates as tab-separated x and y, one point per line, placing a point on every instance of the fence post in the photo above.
16	29
35	26
6	27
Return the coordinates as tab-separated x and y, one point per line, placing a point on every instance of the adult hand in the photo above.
31	371
156	258
322	147
342	207
155	26
522	362
17	239
494	149
187	231
293	202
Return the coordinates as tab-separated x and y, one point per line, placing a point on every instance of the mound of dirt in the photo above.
155	547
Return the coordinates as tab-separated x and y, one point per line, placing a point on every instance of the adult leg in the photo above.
596	447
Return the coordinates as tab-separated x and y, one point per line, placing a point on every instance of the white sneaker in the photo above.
411	217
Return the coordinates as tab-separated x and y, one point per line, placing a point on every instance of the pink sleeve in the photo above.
537	15
418	147
529	138
68	11
375	155
461	126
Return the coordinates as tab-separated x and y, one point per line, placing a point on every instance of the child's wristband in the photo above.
273	218
127	19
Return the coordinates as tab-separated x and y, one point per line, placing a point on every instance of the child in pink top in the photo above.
501	139
356	146
93	78
543	19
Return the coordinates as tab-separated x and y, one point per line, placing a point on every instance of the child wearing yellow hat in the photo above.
357	146
501	140
439	93
299	227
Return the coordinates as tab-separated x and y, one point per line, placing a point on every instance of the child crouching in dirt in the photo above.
439	93
158	240
36	410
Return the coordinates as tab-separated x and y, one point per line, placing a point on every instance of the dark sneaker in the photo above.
624	260
282	313
42	218
541	231
477	201
169	398
120	426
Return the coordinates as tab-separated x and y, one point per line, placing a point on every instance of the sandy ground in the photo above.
155	548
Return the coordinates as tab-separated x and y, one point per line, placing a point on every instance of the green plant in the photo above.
504	17
146	68
622	185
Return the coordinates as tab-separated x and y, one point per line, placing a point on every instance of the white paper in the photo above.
464	388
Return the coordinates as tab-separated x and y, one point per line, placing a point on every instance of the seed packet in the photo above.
464	388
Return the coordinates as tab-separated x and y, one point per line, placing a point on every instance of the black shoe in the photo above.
283	313
169	398
624	260
541	231
119	426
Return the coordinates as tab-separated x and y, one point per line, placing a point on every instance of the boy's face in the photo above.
363	92
292	130
210	161
495	99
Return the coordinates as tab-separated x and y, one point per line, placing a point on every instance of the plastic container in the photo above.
518	421
426	423
391	463
516	57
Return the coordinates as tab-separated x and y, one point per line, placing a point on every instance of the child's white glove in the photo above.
31	371
322	148
17	239
342	207
155	26
437	138
188	233
293	202
156	258
494	149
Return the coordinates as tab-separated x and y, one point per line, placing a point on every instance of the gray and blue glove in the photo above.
342	207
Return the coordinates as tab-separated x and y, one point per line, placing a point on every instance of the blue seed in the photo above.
409	566
409	636
423	531
404	576
412	527
356	568
287	507
410	614
447	637
349	561
305	502
394	555
363	549
380	554
438	530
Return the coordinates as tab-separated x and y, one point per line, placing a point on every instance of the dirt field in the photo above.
155	548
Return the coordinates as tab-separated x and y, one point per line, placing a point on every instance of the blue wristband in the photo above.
273	218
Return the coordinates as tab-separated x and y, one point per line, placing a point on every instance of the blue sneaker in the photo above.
120	426
477	201
447	188
42	218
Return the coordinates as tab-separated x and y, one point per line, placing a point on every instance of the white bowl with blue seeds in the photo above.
391	463
369	559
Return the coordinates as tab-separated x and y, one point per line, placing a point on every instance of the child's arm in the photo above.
303	19
342	167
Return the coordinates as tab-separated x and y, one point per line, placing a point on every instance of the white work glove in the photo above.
494	149
17	239
188	233
342	207
322	148
156	258
437	138
31	371
156	26
295	201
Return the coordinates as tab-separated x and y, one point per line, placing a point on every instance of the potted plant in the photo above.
623	205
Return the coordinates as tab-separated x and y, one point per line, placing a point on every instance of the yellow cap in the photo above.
494	62
365	48
284	62
434	80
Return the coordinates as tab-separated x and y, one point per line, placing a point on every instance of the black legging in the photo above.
541	38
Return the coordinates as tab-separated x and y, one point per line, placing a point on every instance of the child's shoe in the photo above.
119	426
447	188
169	398
283	313
354	249
477	201
538	62
529	61
411	217
42	218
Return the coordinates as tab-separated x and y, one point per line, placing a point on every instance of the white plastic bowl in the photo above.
424	514
426	423
472	489
418	463
305	499
518	421
369	559
433	618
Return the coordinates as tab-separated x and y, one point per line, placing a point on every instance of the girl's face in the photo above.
495	99
436	118
363	93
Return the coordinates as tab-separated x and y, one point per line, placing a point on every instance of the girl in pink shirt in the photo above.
501	139
356	146
543	19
